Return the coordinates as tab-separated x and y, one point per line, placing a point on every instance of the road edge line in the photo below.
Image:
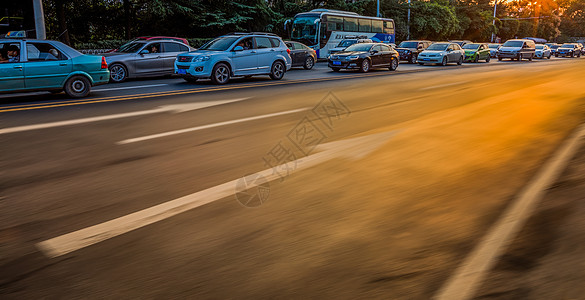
464	281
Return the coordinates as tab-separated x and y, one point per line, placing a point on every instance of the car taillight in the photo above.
104	63
288	50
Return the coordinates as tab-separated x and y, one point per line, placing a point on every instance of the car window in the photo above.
39	51
456	47
386	48
263	42
275	42
290	45
153	48
247	43
172	47
9	52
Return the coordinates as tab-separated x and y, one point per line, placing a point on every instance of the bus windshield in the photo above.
304	29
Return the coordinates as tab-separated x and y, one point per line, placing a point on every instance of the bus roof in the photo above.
339	13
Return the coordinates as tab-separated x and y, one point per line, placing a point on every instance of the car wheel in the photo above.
499	59
422	64
444	62
460	61
572	55
556	55
118	73
476	60
335	69
549	56
77	86
190	79
488	59
393	65
365	66
413	58
277	70
220	74
530	58
309	63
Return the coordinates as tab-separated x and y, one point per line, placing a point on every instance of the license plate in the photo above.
181	71
337	63
426	59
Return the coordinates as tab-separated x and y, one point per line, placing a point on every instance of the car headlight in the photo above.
201	58
352	57
407	51
328	56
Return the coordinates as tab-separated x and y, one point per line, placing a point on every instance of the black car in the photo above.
409	50
302	55
364	56
569	50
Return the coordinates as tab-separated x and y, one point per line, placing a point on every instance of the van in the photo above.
517	50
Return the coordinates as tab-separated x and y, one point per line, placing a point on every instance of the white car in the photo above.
542	51
442	53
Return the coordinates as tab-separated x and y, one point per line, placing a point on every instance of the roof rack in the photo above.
252	33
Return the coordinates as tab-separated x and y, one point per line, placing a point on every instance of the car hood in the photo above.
201	52
405	49
433	51
560	48
349	53
111	54
469	51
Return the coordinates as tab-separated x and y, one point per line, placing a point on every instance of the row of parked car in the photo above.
56	67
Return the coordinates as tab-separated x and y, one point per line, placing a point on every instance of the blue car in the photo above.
236	54
48	66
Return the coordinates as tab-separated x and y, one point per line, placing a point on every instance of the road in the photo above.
322	185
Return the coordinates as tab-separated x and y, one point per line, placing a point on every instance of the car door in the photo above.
451	53
266	54
148	60
294	53
484	52
376	55
245	62
386	54
302	53
46	66
169	54
11	73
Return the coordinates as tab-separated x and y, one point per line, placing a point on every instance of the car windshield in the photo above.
471	46
408	45
131	47
304	29
513	44
555	46
359	47
438	47
219	44
568	46
493	46
346	43
539	46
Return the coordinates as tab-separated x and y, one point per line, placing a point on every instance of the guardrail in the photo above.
94	51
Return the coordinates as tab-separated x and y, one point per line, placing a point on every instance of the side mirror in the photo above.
419	47
142	52
374	51
238	48
449	50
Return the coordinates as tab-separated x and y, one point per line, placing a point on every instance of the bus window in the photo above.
377	26
350	24
389	27
365	25
334	23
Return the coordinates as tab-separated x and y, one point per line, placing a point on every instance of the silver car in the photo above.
144	58
542	51
442	53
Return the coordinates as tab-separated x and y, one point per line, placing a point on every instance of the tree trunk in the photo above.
128	17
64	32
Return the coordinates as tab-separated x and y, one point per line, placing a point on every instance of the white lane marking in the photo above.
442	85
354	148
471	272
180	131
175	108
129	87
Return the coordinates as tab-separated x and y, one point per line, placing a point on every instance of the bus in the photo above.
323	29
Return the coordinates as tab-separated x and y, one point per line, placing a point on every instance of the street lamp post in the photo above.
39	19
378	9
408	23
494	20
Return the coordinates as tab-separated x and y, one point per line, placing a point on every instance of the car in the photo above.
409	50
542	51
442	53
553	47
155	38
364	57
569	50
236	54
144	59
517	49
348	41
475	52
461	42
494	47
49	66
301	55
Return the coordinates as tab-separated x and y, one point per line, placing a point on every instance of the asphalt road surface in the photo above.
322	185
